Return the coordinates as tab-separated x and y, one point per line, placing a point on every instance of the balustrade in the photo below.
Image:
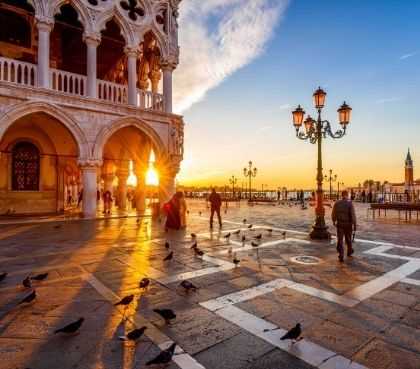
16	71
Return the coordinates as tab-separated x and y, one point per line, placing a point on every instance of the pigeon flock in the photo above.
168	315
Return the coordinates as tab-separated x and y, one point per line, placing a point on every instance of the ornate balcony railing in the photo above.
70	83
23	73
16	71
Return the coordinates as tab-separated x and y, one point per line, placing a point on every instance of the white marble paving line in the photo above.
221	266
305	350
412	281
247	246
182	359
384	243
267	227
379	284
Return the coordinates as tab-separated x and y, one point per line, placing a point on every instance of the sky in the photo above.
246	64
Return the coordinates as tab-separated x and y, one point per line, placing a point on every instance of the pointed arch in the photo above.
113	13
83	14
27	108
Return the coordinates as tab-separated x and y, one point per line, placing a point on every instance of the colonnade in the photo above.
92	41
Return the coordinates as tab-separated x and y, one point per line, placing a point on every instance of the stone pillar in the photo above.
92	41
89	180
167	86
122	188
140	171
44	26
144	85
168	172
132	54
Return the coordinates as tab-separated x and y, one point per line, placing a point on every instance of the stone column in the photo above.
167	86
122	188
168	172
89	181
144	85
44	26
92	41
140	171
132	54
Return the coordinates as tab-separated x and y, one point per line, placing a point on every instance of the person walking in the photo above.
107	197
215	205
344	218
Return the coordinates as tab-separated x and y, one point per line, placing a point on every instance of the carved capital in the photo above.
86	164
44	23
92	38
132	51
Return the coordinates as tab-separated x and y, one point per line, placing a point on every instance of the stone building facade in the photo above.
85	89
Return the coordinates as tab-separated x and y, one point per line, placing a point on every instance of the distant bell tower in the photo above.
409	175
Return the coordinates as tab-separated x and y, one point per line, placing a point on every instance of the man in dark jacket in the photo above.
344	218
215	205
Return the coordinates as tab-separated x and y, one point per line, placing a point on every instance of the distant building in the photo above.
409	185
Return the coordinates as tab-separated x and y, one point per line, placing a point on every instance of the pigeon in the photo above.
188	286
169	256
254	244
138	220
125	301
194	245
134	335
283	234
250	226
29	298
244	221
198	252
40	277
199	213
3	276
144	283
27	282
293	334
269	230
258	237
164	357
193	235
167	245
236	232
235	260
227	236
188	212
71	328
166	314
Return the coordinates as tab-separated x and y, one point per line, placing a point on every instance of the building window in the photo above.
25	167
14	29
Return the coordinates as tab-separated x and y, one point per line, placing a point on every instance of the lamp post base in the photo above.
320	230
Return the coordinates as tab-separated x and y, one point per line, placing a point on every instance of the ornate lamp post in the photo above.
315	131
232	181
338	188
332	178
249	173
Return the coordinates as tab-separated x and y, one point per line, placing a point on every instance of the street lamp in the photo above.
338	188
315	131
249	173
232	181
332	178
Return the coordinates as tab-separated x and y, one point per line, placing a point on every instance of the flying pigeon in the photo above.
71	328
27	282
134	335
29	298
188	286
164	357
293	334
3	276
40	277
144	283
167	245
166	314
169	256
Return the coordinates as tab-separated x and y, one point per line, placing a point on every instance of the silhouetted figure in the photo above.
363	196
107	196
80	198
172	210
344	218
215	205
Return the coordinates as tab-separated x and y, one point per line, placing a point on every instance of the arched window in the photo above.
25	167
14	29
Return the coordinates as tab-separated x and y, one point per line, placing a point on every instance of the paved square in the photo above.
360	314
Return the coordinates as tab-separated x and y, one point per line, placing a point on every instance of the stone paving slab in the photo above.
381	331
